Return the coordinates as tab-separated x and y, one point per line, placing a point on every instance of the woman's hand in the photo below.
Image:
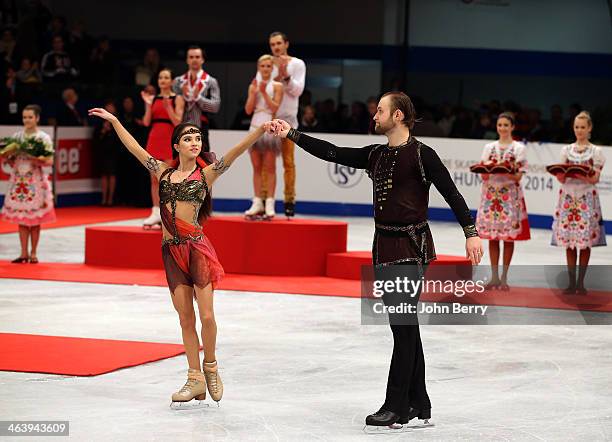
278	128
147	97
262	86
102	113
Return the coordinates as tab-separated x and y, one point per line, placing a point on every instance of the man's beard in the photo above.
381	129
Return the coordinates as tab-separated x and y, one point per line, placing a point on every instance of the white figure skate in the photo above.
153	221
269	211
256	211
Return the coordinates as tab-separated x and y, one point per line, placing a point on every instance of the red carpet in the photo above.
76	216
316	285
77	356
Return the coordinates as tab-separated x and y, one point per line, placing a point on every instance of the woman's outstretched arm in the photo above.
216	169
156	167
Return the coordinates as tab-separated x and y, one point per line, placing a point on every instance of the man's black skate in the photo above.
384	421
382	418
289	210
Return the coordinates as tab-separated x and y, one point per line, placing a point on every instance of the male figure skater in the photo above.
200	91
401	171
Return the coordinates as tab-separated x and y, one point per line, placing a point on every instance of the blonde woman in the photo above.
264	98
578	224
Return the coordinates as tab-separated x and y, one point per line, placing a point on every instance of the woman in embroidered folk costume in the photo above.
162	113
192	267
578	224
502	214
29	200
264	98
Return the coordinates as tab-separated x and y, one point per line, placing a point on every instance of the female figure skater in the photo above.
162	113
29	200
502	214
190	261
263	101
578	224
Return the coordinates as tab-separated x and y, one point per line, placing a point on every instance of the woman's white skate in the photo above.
153	222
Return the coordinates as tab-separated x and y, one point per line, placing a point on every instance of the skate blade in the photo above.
151	226
397	428
189	405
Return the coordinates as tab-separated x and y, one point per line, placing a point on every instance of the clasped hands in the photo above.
276	127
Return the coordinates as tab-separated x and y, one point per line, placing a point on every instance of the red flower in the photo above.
578	218
570	218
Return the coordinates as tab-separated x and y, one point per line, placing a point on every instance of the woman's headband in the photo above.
191	130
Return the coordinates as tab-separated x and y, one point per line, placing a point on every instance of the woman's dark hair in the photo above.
203	160
166	69
34	108
401	101
508	116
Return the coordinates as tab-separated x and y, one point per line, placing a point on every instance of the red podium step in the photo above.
280	248
347	265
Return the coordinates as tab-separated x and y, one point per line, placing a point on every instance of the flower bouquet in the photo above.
32	146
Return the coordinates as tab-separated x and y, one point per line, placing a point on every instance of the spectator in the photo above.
309	122
70	114
7	45
81	45
427	127
106	147
462	126
535	128
133	186
57	26
372	105
357	122
28	81
102	62
327	115
483	128
149	69
556	124
29	73
242	120
8	99
445	123
56	64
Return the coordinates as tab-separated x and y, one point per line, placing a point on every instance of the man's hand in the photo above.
473	249
279	128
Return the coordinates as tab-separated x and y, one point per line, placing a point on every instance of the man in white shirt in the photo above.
291	72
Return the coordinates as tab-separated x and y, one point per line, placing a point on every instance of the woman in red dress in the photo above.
162	113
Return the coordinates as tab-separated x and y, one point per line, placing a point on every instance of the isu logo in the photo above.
344	176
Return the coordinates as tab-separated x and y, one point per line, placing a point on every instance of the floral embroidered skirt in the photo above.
578	222
502	214
29	200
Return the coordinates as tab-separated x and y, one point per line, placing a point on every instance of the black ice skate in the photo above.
384	421
289	210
